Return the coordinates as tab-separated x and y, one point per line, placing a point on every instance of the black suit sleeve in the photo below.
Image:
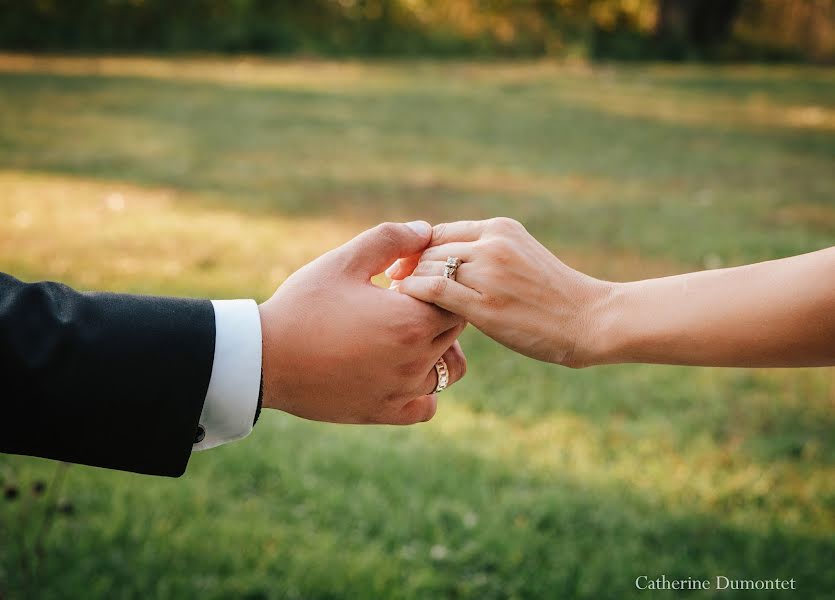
109	380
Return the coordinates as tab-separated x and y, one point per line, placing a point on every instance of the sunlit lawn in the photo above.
218	178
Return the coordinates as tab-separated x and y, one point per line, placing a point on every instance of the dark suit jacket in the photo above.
109	380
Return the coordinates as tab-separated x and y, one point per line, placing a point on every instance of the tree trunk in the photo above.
696	23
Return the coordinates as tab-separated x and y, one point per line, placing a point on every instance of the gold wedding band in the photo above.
451	266
443	375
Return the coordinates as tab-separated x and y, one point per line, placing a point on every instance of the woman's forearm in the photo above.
779	313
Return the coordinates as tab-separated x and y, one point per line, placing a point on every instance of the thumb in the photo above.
372	251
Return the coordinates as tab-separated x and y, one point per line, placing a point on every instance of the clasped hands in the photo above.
338	348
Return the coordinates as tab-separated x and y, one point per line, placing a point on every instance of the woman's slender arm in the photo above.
773	314
779	313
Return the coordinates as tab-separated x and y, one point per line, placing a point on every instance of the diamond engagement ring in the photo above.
443	375
451	266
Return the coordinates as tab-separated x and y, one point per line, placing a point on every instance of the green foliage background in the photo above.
219	177
621	29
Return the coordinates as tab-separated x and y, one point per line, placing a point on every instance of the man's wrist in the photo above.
231	399
268	397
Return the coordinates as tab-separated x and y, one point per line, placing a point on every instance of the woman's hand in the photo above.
511	288
779	313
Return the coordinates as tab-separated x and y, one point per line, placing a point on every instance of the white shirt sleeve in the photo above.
232	397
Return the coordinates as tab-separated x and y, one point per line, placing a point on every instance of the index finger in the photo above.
460	231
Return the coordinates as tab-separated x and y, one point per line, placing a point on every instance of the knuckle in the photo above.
501	259
338	260
457	364
438	232
389	232
438	287
419	410
423	268
392	397
480	245
462	366
499	250
505	224
413	370
412	333
386	228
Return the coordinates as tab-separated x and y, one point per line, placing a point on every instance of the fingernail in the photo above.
390	271
422	228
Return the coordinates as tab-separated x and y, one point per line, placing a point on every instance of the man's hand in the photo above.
338	348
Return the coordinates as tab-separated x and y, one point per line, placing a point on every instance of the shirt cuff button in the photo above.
201	433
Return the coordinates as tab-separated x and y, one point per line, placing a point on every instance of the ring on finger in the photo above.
443	375
451	266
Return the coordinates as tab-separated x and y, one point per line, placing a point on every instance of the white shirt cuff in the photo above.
232	397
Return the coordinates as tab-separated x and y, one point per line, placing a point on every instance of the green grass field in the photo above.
218	178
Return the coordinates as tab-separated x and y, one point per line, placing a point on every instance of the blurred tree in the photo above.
788	29
698	21
619	29
700	24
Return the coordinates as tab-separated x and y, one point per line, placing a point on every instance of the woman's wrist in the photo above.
607	330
